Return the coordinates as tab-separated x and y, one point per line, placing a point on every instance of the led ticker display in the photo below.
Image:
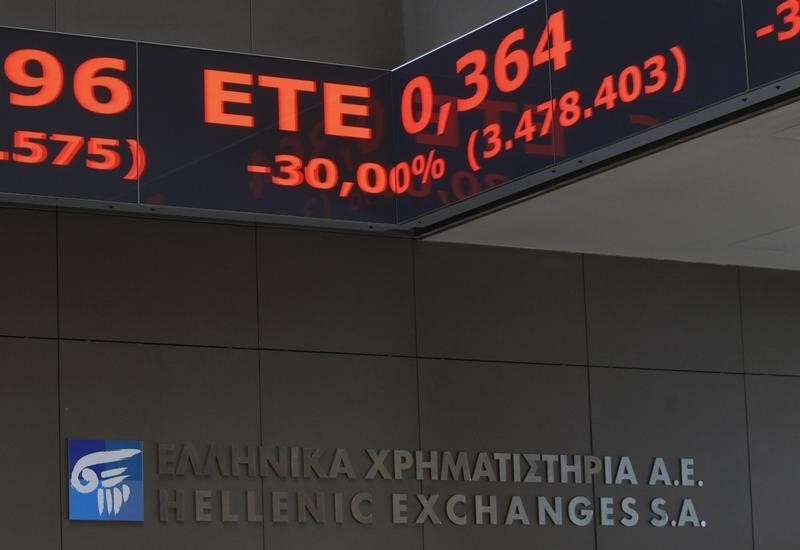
68	113
556	80
484	102
118	121
639	64
773	39
265	135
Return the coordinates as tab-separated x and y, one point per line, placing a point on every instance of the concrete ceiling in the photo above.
731	196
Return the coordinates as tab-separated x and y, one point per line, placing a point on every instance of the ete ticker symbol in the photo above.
105	480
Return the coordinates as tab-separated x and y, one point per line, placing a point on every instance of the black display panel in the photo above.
116	121
634	65
772	30
68	117
478	107
265	135
563	78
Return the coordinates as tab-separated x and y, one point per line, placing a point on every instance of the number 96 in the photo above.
46	81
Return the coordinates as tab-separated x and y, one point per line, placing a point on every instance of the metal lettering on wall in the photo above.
117	121
673	481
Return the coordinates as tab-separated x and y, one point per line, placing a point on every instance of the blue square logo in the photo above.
105	480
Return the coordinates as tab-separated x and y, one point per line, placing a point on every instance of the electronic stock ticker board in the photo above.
159	126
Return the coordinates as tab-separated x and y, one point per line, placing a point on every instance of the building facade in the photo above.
297	388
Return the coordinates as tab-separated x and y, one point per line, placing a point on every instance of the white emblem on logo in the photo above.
112	493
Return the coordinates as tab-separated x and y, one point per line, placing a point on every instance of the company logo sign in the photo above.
105	480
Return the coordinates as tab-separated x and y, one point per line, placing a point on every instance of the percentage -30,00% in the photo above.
371	178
